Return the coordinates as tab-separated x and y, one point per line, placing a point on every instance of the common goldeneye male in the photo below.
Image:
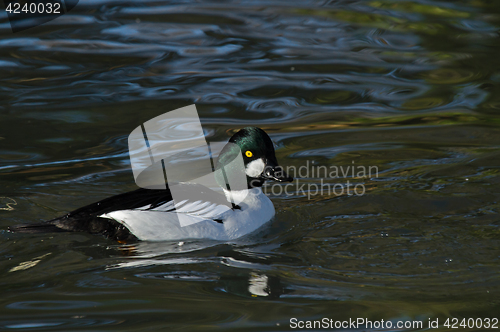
149	214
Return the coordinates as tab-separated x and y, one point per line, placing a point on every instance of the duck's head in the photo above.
258	154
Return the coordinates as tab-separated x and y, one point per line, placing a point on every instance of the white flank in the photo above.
256	210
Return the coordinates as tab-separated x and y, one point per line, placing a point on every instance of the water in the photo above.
409	87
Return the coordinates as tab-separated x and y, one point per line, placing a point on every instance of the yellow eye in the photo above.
248	154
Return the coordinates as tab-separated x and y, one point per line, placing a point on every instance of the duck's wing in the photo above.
153	200
99	217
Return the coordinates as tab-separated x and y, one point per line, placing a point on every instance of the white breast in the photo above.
256	210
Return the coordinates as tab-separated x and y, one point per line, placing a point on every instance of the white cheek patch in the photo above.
255	168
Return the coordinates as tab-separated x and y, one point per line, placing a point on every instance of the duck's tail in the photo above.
45	227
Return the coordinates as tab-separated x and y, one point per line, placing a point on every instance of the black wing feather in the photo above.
87	218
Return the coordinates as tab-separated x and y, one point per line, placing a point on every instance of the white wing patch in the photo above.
203	209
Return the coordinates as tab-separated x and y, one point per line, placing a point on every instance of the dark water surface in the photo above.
411	87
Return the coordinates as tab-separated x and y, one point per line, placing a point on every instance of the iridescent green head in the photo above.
259	159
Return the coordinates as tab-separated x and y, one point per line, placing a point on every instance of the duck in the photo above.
153	215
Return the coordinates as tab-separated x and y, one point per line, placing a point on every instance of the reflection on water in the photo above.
410	87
